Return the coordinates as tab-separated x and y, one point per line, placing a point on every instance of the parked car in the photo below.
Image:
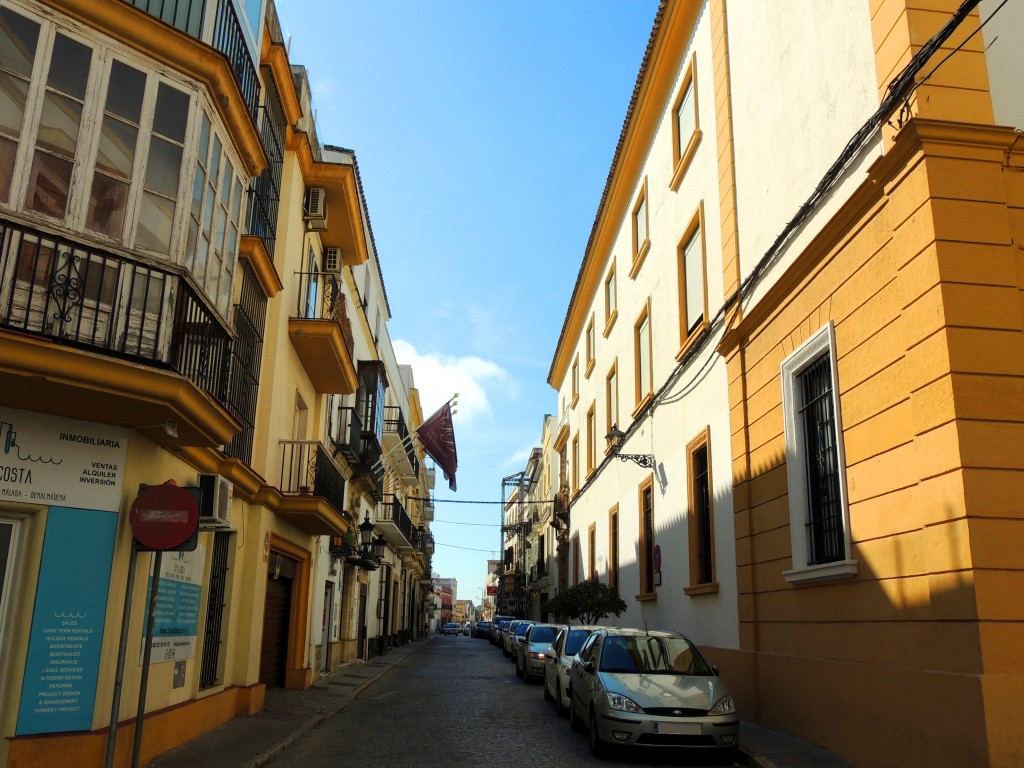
556	666
517	640
467	630
451	628
496	623
649	689
533	649
482	629
508	635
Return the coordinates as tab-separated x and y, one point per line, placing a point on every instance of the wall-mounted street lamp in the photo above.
367	553
615	437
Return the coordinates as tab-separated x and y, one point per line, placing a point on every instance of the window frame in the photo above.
592	551
8	577
591	343
821	343
641	395
576	463
613	547
647	589
591	439
611	393
104	52
694	522
684	148
640	249
611	300
575	381
694	228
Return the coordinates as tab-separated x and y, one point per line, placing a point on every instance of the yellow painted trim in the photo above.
253	250
275	57
151	37
670	43
297	621
151	390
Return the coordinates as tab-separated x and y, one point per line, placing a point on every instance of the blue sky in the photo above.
484	132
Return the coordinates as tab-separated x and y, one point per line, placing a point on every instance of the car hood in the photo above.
544	648
683	691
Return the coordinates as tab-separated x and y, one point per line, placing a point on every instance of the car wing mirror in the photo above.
588	667
714	670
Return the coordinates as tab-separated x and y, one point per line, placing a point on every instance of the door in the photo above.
362	621
328	624
274	653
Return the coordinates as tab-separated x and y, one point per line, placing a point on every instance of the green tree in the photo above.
587	602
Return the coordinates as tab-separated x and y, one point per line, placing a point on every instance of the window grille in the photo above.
702	503
210	666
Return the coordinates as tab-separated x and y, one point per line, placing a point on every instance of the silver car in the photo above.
556	666
508	637
518	637
533	649
651	689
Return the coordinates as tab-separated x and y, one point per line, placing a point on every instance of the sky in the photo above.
484	132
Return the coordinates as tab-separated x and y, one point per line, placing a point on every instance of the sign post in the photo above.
163	518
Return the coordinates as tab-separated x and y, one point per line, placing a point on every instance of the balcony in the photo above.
395	523
95	335
321	333
313	487
427	507
226	36
398	445
360	449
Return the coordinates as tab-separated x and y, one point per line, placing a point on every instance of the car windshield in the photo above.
575	641
521	629
542	635
646	654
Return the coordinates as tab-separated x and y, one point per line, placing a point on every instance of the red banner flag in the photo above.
437	434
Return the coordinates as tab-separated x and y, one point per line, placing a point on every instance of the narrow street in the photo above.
456	702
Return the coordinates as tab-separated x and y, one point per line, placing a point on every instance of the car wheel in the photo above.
574	721
598	748
560	709
547	693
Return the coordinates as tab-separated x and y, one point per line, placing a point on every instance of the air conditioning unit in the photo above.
315	212
332	259
215	510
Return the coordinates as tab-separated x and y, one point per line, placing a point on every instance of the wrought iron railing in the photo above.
91	298
308	469
265	190
246	357
391	510
394	422
227	37
358	446
320	298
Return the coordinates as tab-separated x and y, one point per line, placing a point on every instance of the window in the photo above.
647	539
641	242
592	551
686	132
590	347
613	547
211	670
700	517
576	560
644	384
611	393
693	299
575	463
815	465
611	310
99	141
575	381
591	440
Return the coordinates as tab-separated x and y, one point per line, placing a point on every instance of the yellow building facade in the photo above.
855	177
180	308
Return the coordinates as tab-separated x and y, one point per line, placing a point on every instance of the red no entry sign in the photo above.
163	517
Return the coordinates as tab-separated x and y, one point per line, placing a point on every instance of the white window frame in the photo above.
104	51
796	474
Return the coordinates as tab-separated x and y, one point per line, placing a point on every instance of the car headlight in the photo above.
724	706
535	655
623	704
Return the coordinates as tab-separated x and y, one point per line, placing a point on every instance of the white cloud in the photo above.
438	377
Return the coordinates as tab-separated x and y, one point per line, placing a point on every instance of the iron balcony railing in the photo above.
308	469
359	447
394	423
320	298
392	511
91	298
226	36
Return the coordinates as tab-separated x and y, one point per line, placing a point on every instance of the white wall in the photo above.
1004	52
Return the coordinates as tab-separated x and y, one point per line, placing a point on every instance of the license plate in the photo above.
677	729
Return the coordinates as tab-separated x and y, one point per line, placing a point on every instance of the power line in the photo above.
457	522
471	549
465	501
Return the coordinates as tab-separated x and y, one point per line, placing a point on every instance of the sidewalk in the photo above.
252	742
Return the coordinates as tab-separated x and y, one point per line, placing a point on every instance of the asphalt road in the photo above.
456	702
